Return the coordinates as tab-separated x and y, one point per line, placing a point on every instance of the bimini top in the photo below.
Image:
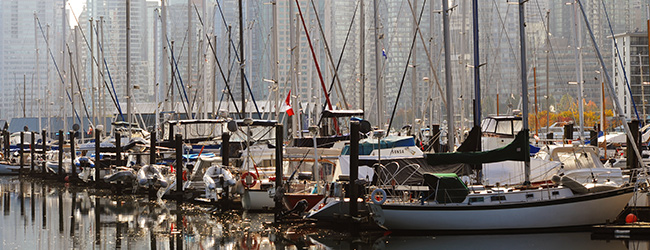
392	141
342	113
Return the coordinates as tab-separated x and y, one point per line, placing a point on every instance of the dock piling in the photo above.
22	151
60	170
73	169
225	149
179	165
354	167
279	140
43	151
31	152
98	156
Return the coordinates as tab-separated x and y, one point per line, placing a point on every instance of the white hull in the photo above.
565	212
257	199
7	169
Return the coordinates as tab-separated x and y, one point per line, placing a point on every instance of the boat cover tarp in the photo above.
472	142
448	187
517	150
392	141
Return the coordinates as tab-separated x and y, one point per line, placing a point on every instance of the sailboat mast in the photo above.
274	55
578	56
362	57
38	74
524	84
241	59
448	79
378	54
190	45
548	94
477	79
128	65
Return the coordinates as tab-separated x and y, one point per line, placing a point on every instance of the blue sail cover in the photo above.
392	141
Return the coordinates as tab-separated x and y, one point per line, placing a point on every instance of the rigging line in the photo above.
116	101
54	61
329	53
223	76
320	74
232	43
618	54
505	33
552	51
426	50
399	92
347	36
220	70
76	77
179	82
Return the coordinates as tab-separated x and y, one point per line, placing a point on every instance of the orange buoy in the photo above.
630	218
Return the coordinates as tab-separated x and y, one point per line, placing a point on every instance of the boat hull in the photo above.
257	199
8	169
292	198
574	211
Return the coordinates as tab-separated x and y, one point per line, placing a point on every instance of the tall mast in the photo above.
163	71
448	79
548	93
477	64
362	56
47	90
241	59
101	93
578	56
274	58
64	27
414	68
156	53
92	73
190	45
524	83
77	74
378	54
128	65
38	74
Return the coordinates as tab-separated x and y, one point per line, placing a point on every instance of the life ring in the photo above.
373	196
247	184
184	175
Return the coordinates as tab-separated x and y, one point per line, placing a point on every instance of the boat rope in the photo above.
408	59
620	60
113	95
232	43
81	96
320	74
214	53
345	43
328	52
55	65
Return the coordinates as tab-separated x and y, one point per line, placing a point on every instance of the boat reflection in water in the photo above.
46	215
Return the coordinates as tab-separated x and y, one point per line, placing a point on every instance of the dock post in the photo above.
118	149
225	149
31	152
354	167
152	148
179	165
7	146
435	137
73	168
43	151
593	138
279	190
60	170
632	160
568	132
22	151
98	156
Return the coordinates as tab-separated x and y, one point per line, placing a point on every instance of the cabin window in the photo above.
529	196
504	127
489	125
555	193
498	198
476	199
517	125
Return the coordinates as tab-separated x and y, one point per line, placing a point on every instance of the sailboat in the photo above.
443	202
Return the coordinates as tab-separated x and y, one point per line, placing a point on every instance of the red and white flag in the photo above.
287	105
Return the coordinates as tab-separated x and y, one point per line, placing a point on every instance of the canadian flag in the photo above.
287	105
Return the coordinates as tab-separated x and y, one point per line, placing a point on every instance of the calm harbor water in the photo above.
48	215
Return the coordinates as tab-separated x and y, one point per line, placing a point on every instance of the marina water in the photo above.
49	215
